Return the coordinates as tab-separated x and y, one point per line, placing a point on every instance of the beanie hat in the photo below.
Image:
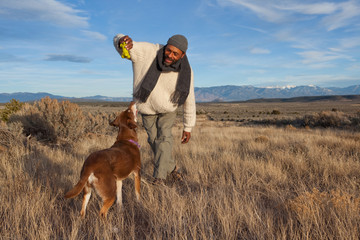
178	41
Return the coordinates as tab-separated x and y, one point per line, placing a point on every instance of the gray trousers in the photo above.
158	128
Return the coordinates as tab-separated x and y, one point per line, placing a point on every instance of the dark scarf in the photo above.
156	68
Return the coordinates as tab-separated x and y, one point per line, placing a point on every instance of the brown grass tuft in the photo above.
325	214
290	127
262	139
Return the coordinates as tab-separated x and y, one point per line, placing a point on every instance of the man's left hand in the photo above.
185	137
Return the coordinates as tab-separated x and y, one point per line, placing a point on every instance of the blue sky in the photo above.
65	47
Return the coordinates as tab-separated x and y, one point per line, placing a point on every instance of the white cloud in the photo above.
286	35
51	11
346	44
350	42
252	28
317	57
336	15
344	17
6	57
67	58
336	49
354	67
322	65
310	9
263	9
94	35
259	51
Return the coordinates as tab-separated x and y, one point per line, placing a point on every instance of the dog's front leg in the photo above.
119	192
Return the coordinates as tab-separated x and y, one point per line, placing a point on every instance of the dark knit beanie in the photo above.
179	41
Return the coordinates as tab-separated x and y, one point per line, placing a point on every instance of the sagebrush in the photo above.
11	107
53	121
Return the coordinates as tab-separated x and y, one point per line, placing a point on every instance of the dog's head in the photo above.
127	117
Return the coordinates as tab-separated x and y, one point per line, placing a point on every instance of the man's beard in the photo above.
168	63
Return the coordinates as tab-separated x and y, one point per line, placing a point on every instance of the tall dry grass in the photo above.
241	183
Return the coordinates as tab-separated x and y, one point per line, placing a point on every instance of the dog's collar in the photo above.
134	142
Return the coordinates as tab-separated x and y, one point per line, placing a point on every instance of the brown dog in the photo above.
104	170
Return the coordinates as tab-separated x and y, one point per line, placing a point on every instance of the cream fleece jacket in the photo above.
142	55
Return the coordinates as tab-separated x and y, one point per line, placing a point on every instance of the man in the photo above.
163	81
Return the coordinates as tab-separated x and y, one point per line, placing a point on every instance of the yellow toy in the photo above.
125	52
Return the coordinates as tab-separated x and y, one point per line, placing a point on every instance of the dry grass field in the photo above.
249	174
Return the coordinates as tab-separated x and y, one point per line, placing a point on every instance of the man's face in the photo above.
172	55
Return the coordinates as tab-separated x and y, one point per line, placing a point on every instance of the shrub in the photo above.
356	120
275	112
9	138
200	112
327	119
49	120
11	107
98	123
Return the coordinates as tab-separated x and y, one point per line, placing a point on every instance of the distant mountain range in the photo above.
208	94
29	97
244	93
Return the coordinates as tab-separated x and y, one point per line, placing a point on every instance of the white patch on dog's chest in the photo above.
92	179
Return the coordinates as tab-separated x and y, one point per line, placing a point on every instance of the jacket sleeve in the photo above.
140	51
190	108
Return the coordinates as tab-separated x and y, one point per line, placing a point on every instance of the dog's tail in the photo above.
78	187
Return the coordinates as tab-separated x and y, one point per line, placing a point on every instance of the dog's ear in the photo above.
131	124
116	122
112	123
132	108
